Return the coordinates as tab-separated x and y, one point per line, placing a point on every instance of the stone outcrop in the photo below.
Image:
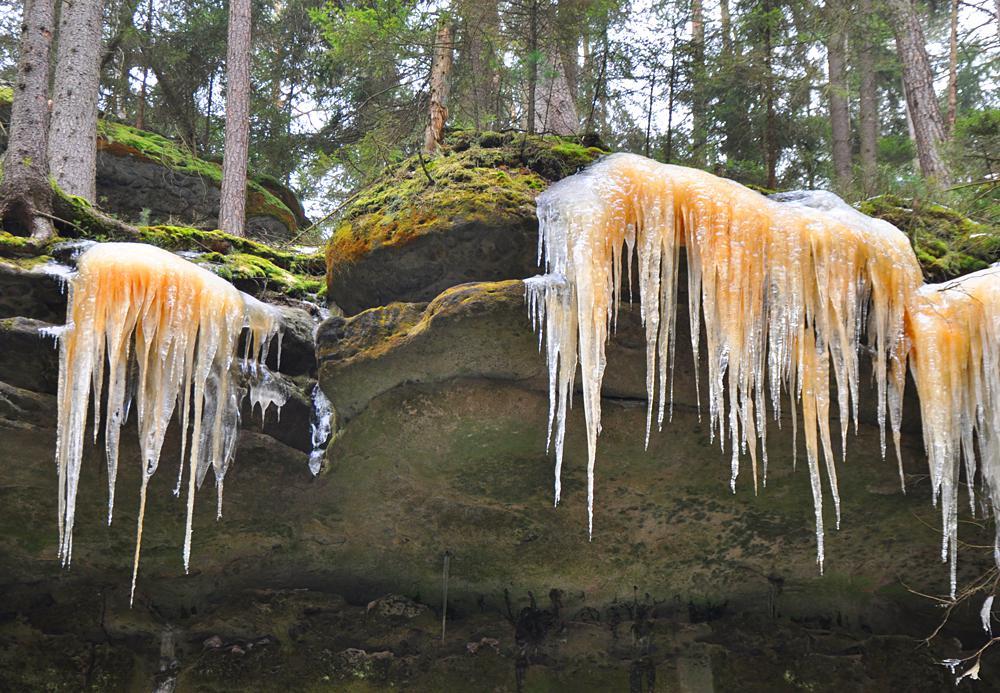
466	215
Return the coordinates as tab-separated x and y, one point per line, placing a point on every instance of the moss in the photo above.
946	243
124	140
17	246
260	271
491	178
6	95
236	259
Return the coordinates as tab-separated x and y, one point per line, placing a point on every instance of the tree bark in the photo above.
555	94
868	120
440	84
232	204
555	105
25	193
698	129
953	69
73	130
727	27
140	114
918	80
837	94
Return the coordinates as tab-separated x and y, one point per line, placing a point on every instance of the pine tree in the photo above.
233	198
25	193
918	83
73	130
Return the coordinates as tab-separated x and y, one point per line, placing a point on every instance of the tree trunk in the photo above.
25	193
440	83
770	129
140	115
698	129
600	88
649	112
568	20
555	107
953	69
480	25
837	93
232	205
918	80
868	121
727	27
532	64
555	92
668	153
73	130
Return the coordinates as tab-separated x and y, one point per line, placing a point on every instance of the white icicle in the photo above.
143	323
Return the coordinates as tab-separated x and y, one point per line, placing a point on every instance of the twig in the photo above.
423	165
444	600
326	217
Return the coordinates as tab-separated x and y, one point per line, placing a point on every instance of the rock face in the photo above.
444	408
336	581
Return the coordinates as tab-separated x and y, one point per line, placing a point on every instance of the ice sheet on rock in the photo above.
321	427
786	292
986	614
265	391
146	325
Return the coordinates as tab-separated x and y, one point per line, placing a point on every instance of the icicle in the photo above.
985	615
145	323
785	291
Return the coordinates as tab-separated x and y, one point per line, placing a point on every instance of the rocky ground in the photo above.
336	581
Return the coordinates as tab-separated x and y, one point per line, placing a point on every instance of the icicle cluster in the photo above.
146	325
786	292
955	361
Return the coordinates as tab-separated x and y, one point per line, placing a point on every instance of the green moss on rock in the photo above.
125	140
490	177
254	264
240	268
946	243
17	246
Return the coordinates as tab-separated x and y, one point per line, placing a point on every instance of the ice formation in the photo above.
320	428
786	292
955	361
144	325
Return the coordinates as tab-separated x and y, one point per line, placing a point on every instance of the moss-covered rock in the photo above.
465	215
253	266
132	182
144	177
947	243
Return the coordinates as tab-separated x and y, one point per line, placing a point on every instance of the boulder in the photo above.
145	178
466	215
